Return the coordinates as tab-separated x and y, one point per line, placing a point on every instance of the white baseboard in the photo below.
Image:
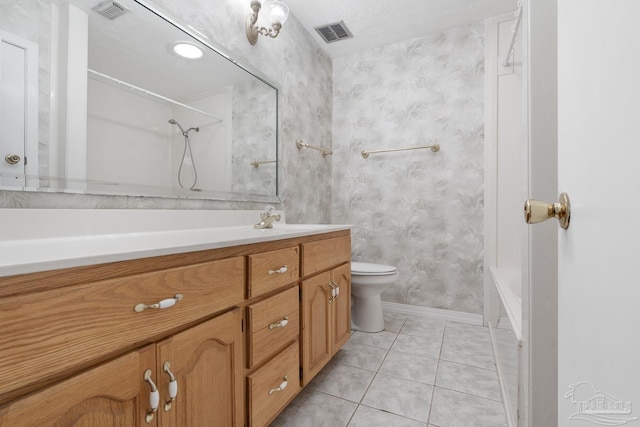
433	313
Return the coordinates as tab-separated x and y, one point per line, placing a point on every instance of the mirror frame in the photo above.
206	195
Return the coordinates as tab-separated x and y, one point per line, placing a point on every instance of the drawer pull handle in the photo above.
281	387
165	303
154	396
173	386
281	270
280	324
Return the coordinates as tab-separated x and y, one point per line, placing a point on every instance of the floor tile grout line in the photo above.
392	413
416	355
374	377
470	366
467	364
468	394
435	377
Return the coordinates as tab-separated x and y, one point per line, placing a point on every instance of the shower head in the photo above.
184	132
173	122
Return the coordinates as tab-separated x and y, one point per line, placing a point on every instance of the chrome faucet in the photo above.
267	218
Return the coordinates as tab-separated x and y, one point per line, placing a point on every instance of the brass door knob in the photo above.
536	211
12	159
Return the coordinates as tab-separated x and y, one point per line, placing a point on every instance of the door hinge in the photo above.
300	293
242	325
25	160
300	372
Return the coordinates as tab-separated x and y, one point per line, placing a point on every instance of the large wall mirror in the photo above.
96	98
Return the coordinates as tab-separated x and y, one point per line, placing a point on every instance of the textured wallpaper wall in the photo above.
251	130
417	210
293	60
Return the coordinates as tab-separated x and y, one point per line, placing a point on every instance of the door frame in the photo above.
31	106
539	385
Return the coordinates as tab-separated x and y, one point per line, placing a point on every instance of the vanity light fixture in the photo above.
278	14
186	50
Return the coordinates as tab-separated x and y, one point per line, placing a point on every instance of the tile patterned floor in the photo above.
419	372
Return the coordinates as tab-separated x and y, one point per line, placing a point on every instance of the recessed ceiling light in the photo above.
186	50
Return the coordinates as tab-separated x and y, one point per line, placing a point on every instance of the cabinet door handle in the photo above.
335	287
334	293
280	324
281	387
165	303
281	270
154	396
173	386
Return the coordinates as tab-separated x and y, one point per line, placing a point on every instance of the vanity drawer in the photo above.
266	333
324	254
46	334
269	271
266	397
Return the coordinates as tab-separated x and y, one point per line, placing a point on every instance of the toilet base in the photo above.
366	313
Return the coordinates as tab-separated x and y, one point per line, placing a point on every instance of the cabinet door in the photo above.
316	315
341	306
112	394
206	361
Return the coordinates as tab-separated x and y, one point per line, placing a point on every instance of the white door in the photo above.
599	255
18	110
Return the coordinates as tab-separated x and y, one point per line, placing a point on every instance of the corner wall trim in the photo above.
433	313
506	402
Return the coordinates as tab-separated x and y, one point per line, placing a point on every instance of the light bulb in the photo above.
187	50
278	11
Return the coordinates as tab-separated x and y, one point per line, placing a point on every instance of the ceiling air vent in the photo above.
110	9
334	32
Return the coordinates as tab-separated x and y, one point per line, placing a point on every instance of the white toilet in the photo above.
367	283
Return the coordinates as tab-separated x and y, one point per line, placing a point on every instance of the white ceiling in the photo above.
135	48
376	23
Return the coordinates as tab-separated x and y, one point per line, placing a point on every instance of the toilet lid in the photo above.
369	269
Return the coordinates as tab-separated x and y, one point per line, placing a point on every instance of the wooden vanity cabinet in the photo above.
205	361
56	330
243	330
323	298
273	329
326	303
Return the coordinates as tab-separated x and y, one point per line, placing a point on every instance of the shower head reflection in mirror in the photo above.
187	145
185	133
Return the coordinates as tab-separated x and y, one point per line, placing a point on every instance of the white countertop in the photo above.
48	239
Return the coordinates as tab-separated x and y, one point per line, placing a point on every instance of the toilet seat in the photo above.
370	269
